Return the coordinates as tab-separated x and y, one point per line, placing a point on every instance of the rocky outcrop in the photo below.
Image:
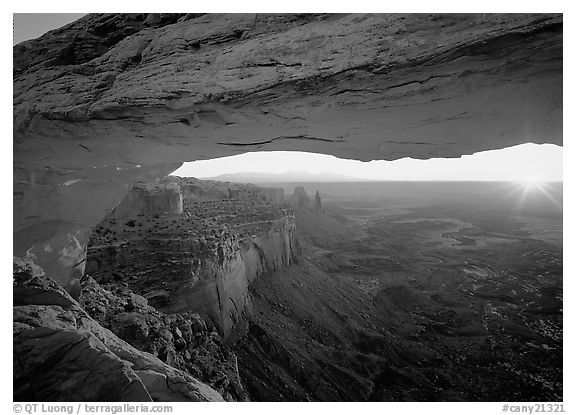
272	194
203	260
317	202
220	289
85	39
180	340
151	199
300	200
81	357
195	190
106	101
173	194
62	354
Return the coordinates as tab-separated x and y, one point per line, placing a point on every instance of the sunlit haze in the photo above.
531	163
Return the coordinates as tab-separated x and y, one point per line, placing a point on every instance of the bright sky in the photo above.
32	25
524	162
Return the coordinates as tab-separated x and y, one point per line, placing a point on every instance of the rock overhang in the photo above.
90	121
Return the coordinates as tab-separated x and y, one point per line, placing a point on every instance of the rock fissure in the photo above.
295	137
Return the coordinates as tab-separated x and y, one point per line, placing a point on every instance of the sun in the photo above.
529	184
531	188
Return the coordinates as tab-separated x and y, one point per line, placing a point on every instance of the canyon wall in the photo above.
219	291
202	259
272	194
151	199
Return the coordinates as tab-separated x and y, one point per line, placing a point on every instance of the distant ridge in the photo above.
300	176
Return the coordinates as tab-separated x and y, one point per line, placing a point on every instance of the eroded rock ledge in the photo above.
199	254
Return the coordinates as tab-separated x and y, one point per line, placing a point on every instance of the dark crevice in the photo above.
83	146
295	137
275	63
419	82
195	46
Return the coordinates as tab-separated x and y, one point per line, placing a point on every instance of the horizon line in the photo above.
355	180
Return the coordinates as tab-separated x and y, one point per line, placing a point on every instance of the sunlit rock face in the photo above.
110	100
201	259
151	199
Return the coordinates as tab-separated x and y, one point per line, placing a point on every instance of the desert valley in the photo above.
365	291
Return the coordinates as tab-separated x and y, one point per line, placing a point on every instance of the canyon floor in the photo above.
414	292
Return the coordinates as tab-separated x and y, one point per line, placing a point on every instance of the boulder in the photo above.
179	340
30	286
67	364
61	354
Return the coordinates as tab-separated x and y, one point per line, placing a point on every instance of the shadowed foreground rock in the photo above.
62	354
180	340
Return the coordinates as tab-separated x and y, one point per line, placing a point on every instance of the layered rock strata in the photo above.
151	199
202	260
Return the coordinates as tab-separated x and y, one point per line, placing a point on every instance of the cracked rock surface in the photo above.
61	354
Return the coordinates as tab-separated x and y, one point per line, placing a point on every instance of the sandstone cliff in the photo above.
203	259
300	199
302	202
151	199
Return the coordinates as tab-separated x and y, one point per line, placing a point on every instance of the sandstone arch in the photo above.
112	99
